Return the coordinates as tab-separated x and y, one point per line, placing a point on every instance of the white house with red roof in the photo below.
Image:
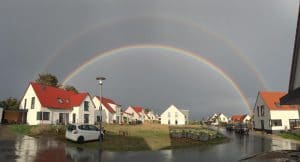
174	116
150	116
111	111
217	119
127	117
272	117
244	119
52	105
138	113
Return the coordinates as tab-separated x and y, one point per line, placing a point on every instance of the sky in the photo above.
208	56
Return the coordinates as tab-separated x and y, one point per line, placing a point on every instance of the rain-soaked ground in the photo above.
29	149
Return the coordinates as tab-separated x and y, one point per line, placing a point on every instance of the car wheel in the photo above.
80	140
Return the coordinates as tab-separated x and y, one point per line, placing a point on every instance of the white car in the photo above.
82	132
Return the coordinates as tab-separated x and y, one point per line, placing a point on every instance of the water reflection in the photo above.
28	149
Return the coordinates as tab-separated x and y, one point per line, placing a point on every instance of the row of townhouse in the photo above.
43	104
219	119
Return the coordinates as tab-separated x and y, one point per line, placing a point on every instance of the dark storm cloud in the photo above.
32	32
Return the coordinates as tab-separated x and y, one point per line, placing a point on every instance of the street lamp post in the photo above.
100	79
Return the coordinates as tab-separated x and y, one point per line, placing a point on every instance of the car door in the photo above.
94	133
85	132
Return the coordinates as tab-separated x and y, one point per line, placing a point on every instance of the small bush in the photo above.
47	129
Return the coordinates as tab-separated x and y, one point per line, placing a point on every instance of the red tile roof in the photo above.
53	97
271	99
106	103
137	109
238	118
127	113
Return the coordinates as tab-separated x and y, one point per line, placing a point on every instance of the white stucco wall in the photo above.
222	118
285	117
107	117
135	116
165	118
31	113
80	112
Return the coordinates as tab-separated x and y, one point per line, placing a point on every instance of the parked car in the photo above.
242	129
82	132
230	127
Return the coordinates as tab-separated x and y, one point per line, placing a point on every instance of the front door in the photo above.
63	118
74	118
262	125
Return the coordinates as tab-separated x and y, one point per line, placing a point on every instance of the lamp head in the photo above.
100	79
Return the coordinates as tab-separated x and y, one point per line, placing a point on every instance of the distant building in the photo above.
217	119
221	118
243	119
127	117
138	113
151	117
174	116
272	117
111	111
52	105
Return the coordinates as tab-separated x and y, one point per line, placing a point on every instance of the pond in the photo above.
28	149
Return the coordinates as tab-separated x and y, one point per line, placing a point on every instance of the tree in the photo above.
70	88
10	103
147	110
47	79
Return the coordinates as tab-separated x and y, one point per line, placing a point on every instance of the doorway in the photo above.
262	125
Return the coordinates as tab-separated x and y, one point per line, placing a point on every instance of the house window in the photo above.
86	105
294	123
25	103
257	111
32	102
42	115
86	118
169	114
262	113
60	100
176	122
276	122
63	118
169	122
74	118
176	114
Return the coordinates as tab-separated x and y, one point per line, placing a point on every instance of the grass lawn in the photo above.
35	131
138	137
290	136
21	129
143	137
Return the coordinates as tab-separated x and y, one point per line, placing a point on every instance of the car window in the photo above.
71	127
93	128
83	127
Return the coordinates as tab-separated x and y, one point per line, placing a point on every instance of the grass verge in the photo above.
289	135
